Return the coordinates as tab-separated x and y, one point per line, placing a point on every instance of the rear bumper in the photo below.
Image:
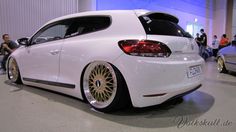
155	100
152	81
185	93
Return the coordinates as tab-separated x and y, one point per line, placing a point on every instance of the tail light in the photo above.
146	48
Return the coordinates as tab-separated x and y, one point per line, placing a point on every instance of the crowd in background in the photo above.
205	50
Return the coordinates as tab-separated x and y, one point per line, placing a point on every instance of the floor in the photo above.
211	108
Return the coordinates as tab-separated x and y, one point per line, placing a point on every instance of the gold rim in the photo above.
101	83
13	70
220	64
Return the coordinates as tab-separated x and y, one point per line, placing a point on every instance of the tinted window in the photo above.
85	25
155	26
50	33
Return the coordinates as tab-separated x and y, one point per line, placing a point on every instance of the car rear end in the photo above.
162	66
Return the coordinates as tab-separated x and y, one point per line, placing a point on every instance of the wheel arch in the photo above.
221	56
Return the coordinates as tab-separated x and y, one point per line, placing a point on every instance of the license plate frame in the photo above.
194	71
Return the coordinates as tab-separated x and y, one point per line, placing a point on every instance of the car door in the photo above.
41	56
73	52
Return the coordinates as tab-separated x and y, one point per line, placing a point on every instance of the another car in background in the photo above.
226	60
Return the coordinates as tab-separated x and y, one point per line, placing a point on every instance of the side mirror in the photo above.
23	41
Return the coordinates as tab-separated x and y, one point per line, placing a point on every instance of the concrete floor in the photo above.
211	108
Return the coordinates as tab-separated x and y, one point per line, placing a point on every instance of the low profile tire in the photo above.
104	87
13	71
221	65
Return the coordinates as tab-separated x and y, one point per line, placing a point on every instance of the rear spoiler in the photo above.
162	16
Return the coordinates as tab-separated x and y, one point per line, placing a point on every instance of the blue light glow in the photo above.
197	7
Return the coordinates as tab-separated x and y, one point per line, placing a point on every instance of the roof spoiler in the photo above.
163	16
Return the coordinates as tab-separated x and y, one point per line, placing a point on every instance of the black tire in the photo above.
13	71
221	65
119	98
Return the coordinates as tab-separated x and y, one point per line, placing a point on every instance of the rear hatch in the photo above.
164	28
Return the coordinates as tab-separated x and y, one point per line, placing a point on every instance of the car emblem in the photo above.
98	83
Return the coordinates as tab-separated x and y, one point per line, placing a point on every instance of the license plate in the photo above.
194	71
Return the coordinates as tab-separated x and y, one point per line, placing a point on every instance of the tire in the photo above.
221	65
13	71
104	87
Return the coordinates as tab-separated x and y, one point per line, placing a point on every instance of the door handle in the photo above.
54	52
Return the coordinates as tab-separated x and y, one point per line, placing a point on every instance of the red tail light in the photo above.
146	48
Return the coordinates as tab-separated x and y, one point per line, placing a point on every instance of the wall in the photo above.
229	18
219	23
86	5
186	10
22	18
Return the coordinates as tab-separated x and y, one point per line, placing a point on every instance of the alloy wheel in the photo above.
220	64
13	70
100	84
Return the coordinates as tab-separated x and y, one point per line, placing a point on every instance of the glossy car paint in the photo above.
64	60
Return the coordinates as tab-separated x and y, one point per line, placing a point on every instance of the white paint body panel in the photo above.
39	61
143	75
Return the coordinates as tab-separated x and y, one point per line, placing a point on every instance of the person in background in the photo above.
234	41
203	42
7	47
224	41
234	37
215	46
198	39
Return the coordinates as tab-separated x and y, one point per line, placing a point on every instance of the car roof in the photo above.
138	12
91	13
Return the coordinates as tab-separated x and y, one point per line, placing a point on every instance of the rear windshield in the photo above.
155	26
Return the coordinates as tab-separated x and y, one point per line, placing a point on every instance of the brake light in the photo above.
146	48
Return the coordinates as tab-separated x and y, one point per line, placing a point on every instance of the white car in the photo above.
110	58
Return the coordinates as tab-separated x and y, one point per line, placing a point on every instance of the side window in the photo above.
50	33
88	24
